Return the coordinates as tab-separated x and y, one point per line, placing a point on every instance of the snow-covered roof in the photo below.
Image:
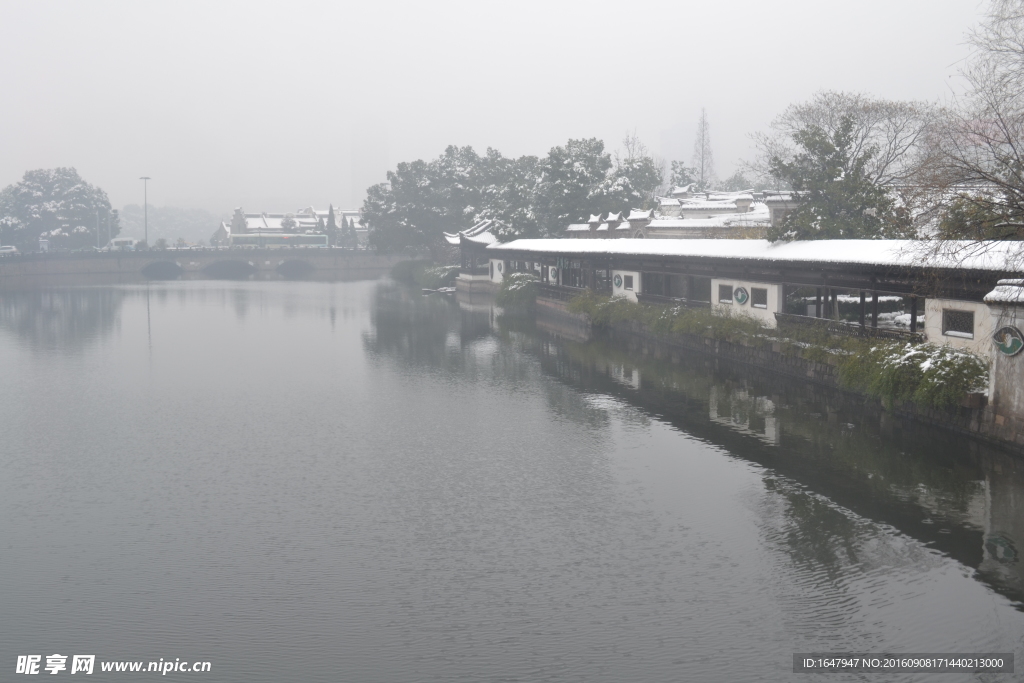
667	201
603	226
614	217
757	215
781	197
594	218
702	206
578	227
731	196
1007	291
992	256
638	215
479	233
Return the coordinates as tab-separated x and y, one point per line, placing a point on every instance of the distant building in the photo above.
265	228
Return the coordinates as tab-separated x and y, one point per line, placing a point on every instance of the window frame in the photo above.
958	334
753	298
722	299
627	283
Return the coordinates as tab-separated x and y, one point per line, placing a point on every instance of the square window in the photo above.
758	297
725	294
958	323
627	282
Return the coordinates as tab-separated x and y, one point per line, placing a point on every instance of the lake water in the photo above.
303	481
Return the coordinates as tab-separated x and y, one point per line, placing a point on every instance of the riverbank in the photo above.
972	415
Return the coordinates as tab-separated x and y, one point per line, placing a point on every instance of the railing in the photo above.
671	301
476	270
557	292
843	328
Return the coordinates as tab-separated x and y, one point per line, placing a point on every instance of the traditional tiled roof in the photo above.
479	233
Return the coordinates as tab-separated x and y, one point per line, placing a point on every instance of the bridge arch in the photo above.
295	268
162	270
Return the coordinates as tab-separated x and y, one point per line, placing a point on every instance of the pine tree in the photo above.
350	239
332	226
703	159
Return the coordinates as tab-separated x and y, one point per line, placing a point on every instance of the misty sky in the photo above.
275	106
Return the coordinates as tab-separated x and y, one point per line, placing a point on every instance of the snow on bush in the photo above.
926	374
518	291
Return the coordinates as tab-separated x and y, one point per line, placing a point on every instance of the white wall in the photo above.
621	290
498	275
984	325
767	315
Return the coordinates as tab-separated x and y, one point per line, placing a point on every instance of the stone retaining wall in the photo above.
973	418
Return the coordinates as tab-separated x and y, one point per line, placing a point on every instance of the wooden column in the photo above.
862	307
913	314
817	303
874	309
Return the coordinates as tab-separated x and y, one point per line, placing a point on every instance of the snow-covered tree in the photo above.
288	223
570	185
840	199
58	205
681	175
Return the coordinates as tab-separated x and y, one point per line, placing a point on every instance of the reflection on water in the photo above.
824	449
299	479
61	318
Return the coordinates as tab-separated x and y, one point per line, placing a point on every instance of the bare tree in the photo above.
976	170
703	158
982	142
893	132
644	170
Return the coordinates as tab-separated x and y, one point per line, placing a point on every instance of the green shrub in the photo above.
926	374
605	312
518	292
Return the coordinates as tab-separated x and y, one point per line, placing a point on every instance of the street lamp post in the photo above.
145	206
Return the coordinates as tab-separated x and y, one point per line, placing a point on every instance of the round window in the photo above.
554	273
499	266
740	295
1009	340
618	280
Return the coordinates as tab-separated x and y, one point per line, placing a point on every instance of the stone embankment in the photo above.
974	417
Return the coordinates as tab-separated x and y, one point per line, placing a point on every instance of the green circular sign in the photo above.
740	295
1008	340
618	280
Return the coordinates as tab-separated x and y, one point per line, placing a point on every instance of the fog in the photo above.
274	106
